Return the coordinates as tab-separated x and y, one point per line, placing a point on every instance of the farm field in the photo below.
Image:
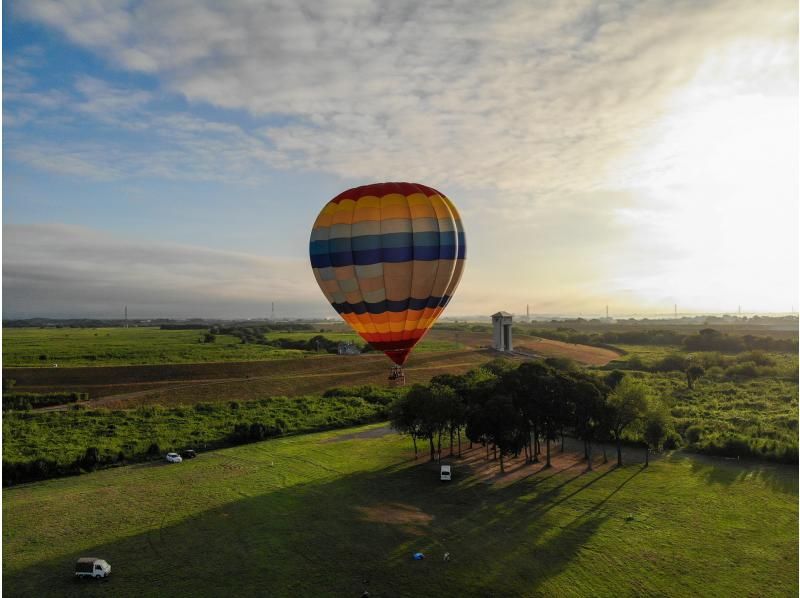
72	347
264	371
130	386
335	513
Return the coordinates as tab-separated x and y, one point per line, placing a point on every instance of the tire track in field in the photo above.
175	386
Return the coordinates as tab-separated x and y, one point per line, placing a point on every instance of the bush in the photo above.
693	434
635	363
674	362
371	394
672	441
29	400
153	450
90	459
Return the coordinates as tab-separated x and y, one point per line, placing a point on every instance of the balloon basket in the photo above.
397	376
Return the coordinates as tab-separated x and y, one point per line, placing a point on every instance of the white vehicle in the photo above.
174	458
90	567
444	474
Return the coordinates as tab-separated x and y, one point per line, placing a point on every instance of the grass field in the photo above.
335	513
71	347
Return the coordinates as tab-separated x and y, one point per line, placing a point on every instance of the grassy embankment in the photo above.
335	513
40	445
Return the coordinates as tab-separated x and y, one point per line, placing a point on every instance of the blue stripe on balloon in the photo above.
319	247
393	256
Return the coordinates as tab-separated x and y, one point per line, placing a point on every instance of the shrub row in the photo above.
25	401
40	445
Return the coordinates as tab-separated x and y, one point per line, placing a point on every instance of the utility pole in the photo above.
528	312
272	317
676	311
606	312
126	316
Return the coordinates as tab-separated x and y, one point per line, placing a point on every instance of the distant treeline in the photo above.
707	339
163	323
255	335
26	400
249	333
744	365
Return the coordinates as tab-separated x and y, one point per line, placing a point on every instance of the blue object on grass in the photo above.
418	556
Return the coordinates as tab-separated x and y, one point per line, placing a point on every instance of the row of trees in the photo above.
524	409
706	339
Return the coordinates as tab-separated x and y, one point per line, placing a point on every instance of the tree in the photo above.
627	404
407	415
655	428
455	405
526	384
587	400
693	372
440	411
502	425
613	378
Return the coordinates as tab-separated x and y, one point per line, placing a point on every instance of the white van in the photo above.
444	474
92	567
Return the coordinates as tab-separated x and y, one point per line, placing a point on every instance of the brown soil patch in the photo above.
474	463
395	514
122	387
580	353
365	434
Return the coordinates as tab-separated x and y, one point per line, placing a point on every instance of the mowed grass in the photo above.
335	513
74	347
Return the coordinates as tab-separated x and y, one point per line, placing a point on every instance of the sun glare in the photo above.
714	221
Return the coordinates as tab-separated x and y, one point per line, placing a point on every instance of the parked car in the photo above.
444	473
90	567
174	458
188	454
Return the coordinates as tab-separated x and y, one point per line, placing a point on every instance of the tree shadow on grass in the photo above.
324	539
719	470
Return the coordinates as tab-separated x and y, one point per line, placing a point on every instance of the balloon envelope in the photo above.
388	257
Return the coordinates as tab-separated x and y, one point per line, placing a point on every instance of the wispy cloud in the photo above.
521	96
60	269
583	135
110	132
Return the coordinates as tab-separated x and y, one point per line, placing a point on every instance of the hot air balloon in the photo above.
388	257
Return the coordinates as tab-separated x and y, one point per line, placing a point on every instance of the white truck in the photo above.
444	473
90	567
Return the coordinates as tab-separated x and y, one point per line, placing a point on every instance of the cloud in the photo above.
564	131
517	96
56	269
109	132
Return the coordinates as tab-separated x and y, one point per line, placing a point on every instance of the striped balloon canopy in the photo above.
388	257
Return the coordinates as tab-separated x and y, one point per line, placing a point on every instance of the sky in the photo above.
172	156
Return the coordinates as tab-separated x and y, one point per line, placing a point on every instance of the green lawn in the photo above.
71	347
303	516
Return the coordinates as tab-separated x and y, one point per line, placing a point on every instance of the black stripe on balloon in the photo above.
379	307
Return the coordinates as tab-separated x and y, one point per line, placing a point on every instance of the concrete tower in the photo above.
502	331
